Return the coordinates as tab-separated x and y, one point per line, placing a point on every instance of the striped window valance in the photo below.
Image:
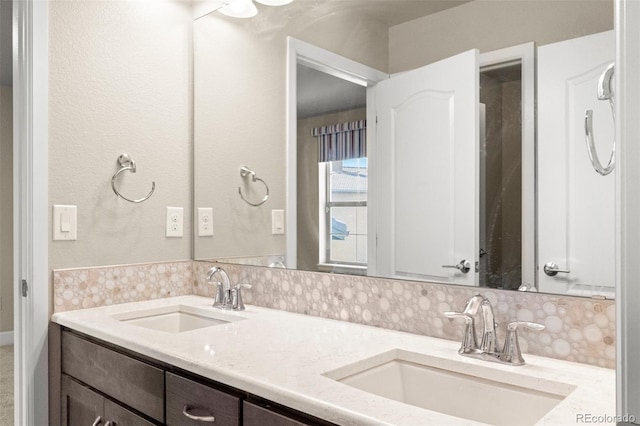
341	141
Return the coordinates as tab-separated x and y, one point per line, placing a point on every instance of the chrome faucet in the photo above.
227	297
488	348
223	289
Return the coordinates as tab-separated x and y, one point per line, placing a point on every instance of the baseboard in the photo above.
6	338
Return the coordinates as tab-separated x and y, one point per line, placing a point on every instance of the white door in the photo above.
576	206
426	157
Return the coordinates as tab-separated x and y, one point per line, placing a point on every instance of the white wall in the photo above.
120	76
490	24
6	208
240	117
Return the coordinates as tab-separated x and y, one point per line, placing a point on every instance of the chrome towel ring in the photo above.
244	172
127	163
605	92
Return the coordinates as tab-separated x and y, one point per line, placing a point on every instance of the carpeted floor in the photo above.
6	385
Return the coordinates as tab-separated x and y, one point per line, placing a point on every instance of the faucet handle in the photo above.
469	341
511	352
239	286
236	297
513	326
466	317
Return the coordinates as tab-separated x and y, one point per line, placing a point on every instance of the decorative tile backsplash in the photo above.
577	329
90	287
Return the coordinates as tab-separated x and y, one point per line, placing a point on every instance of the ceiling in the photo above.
394	12
320	93
388	12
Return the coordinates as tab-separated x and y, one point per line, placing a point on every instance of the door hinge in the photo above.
24	288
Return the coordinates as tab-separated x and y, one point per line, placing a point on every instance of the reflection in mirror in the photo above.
500	177
405	219
336	233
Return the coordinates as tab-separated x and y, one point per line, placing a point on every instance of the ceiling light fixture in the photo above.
246	8
239	9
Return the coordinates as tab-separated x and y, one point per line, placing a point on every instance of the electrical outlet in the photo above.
205	221
175	221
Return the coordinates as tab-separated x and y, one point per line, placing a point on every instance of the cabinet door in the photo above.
132	382
255	415
120	416
83	407
80	405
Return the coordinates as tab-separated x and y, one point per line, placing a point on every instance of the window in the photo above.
344	240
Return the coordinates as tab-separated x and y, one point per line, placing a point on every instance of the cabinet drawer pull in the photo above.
206	419
97	421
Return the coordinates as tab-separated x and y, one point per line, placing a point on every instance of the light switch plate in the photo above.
277	222
65	223
205	221
175	222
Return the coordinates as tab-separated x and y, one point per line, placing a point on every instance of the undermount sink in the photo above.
176	318
455	388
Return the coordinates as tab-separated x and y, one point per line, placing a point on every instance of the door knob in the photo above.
464	266
551	269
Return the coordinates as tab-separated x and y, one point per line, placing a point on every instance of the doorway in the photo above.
308	62
332	184
500	252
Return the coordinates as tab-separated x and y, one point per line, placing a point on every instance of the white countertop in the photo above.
281	356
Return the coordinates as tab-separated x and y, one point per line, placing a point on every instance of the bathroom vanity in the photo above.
180	361
102	384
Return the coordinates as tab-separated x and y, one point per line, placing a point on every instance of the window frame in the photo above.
325	205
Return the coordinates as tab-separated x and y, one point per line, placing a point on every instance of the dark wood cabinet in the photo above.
83	406
120	416
80	405
259	415
132	382
188	398
102	384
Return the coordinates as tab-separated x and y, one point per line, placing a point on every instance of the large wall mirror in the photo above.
443	141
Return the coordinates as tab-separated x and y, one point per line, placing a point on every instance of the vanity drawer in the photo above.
132	382
200	400
257	415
